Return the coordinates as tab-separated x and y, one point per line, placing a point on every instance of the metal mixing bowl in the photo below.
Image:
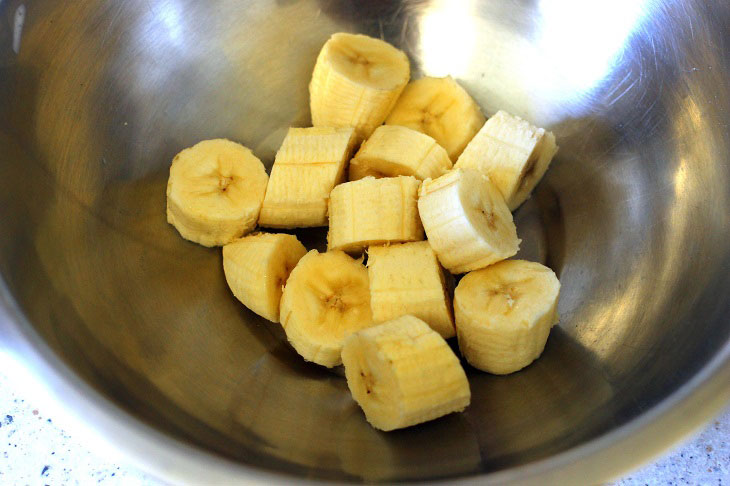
134	329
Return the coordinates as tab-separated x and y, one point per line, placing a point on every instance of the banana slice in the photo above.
504	314
466	221
403	373
513	153
215	191
407	279
373	212
440	108
395	150
257	267
356	81
326	298
309	164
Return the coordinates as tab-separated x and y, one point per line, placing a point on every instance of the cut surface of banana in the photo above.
466	220
513	153
395	150
215	191
440	108
374	211
406	279
356	81
504	314
309	164
257	267
403	373
326	297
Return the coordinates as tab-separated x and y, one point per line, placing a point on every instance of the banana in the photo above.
373	212
257	267
395	150
309	164
326	298
440	108
407	279
403	373
356	81
513	153
215	191
466	221
504	314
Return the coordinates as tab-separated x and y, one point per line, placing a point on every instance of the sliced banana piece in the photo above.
466	220
394	150
513	153
326	297
309	164
257	267
356	81
440	108
504	314
407	279
403	373
215	191
374	212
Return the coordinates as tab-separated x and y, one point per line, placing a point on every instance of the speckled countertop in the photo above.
36	451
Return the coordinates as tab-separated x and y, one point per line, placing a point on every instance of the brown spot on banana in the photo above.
367	381
530	166
359	59
491	219
224	182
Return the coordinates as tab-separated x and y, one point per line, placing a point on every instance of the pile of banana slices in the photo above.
413	176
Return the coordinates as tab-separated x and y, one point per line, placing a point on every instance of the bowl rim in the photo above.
602	458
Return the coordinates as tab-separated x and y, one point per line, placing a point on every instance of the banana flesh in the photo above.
309	164
406	279
403	373
513	153
504	314
356	81
395	150
440	108
326	298
374	212
256	268
215	191
466	220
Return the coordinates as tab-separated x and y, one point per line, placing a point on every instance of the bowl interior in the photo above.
97	97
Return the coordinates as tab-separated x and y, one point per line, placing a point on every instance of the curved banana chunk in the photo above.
356	81
394	150
257	267
374	212
326	298
215	191
504	314
407	279
403	373
440	108
309	164
467	221
513	153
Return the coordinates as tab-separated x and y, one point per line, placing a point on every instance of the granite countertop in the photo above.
35	450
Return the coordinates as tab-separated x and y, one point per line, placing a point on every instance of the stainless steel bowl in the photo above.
133	328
